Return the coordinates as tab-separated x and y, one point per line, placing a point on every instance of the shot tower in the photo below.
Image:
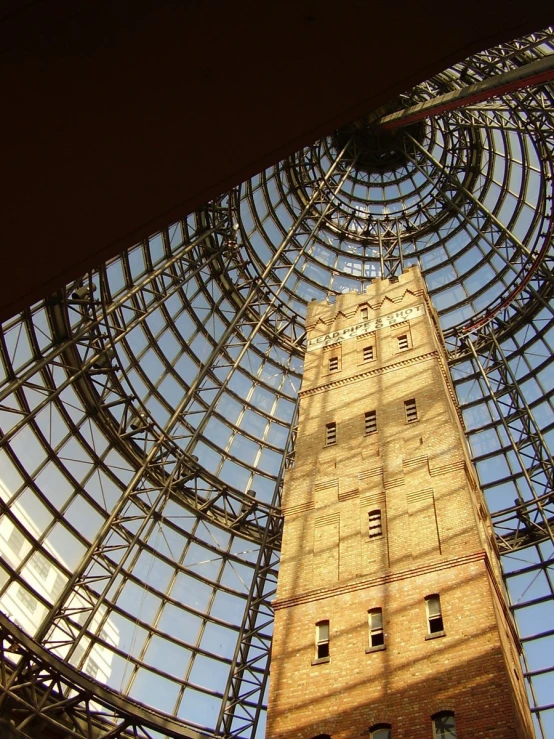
391	619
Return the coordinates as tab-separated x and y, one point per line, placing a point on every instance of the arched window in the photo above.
322	736
444	725
380	731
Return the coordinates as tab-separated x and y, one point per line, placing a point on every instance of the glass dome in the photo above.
148	410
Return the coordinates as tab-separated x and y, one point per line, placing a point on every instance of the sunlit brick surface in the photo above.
435	539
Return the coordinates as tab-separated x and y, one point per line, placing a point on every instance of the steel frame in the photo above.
159	393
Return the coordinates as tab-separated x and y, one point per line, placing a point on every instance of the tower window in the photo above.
410	408
380	731
333	364
444	725
376	635
330	434
370	422
367	353
375	527
364	314
402	342
434	614
322	640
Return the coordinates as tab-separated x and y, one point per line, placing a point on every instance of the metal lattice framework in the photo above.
148	411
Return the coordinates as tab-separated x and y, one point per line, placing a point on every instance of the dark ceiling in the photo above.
121	117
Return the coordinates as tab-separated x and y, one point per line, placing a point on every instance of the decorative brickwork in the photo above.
375	524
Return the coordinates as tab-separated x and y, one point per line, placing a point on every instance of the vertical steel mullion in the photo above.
400	252
232	689
138	550
469	223
250	297
488	240
202	425
381	255
95	547
484	210
510	437
529	413
83	336
46	360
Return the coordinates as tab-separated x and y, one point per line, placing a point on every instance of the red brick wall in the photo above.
436	539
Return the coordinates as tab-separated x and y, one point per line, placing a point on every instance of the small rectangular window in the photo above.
333	364
368	353
370	422
376	635
322	640
402	342
411	410
364	314
374	523
330	434
434	614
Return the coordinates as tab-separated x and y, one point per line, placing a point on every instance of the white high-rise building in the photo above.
41	580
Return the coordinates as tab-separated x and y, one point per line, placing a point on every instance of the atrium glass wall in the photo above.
148	410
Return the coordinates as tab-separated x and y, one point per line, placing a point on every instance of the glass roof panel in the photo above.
148	410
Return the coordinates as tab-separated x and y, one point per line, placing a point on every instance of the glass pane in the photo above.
445	726
434	607
377	619
323	631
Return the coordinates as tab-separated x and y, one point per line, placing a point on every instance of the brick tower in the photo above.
390	618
